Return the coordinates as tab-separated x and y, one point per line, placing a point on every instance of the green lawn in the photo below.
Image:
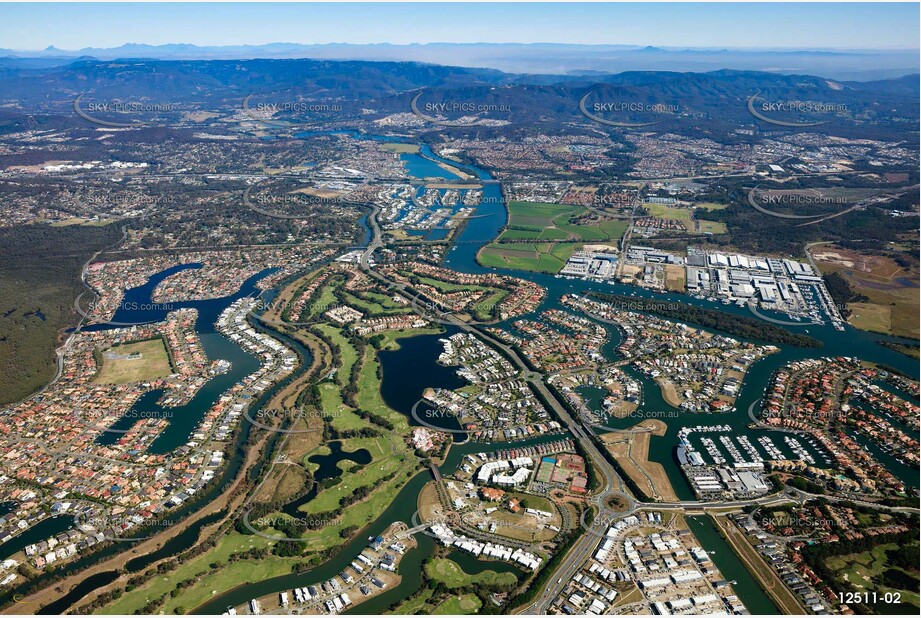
369	393
711	205
446	286
661	211
375	305
414	604
549	233
383	300
389	455
536	502
347	354
399	147
538	257
383	462
863	570
465	604
712	227
326	300
613	228
543	221
331	403
449	572
484	309
343	417
152	362
225	578
586	232
390	339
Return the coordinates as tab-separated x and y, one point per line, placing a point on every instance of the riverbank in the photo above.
766	577
229	500
630	448
370	582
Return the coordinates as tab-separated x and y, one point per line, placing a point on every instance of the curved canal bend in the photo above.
476	233
462	257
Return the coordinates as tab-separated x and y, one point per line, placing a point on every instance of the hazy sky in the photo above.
814	25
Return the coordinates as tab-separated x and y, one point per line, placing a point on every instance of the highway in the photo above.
612	484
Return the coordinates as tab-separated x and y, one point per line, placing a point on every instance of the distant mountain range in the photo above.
711	103
551	58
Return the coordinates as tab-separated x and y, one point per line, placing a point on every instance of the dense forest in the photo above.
736	325
842	293
40	270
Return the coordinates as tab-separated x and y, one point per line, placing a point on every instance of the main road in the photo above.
612	485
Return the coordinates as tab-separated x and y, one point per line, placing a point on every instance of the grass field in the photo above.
464	604
386	303
894	305
383	462
347	354
711	206
229	576
661	211
685	215
535	502
867	316
391	338
864	571
375	304
770	582
675	278
80	221
325	300
543	221
152	364
451	574
711	227
538	257
415	604
343	417
400	148
483	309
632	453
389	456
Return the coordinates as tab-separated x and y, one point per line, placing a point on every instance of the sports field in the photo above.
134	362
